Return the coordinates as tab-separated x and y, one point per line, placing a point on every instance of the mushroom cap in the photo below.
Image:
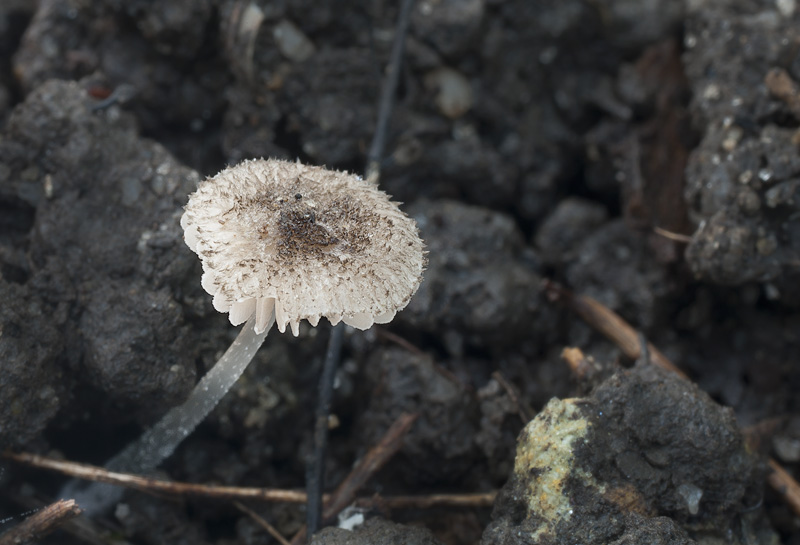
302	242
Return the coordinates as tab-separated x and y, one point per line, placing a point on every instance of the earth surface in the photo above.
642	153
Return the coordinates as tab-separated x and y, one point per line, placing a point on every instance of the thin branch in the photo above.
483	499
584	368
399	341
83	529
785	485
271	530
156	486
175	489
677	237
609	323
375	458
38	525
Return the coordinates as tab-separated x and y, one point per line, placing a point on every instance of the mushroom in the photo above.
280	242
303	242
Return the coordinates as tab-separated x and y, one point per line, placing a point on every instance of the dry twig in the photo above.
677	237
399	341
262	522
785	485
38	525
156	486
484	499
609	323
583	367
160	487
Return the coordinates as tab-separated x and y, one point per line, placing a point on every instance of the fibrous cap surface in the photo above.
302	242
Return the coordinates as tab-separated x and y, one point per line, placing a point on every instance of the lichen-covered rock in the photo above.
605	469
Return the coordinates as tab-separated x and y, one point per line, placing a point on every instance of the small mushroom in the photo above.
304	242
280	242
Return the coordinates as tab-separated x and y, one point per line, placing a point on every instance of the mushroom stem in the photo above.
159	442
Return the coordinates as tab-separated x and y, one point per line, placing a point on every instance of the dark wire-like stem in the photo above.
388	93
315	472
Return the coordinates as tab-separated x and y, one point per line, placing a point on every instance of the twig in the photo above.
584	368
38	525
83	529
155	486
484	499
375	458
240	32
785	485
315	473
400	341
525	412
677	237
262	522
609	323
403	343
625	337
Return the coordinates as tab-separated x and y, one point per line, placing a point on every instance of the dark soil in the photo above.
566	140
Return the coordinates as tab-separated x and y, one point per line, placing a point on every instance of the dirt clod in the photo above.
647	453
375	532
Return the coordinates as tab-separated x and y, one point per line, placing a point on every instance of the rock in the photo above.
647	454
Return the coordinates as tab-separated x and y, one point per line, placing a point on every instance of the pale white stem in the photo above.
160	441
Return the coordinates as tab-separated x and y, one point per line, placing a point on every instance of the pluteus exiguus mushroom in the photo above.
281	242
